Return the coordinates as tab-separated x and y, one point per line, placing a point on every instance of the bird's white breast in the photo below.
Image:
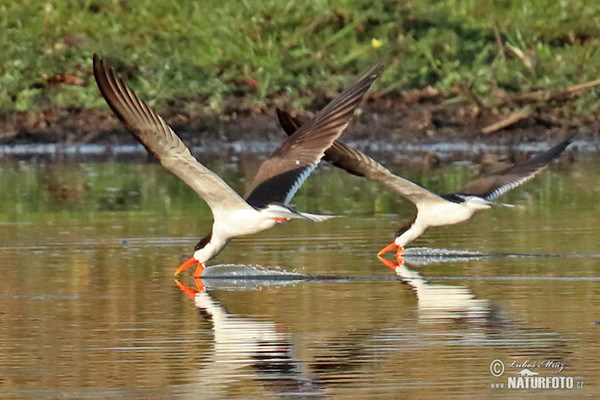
449	213
241	222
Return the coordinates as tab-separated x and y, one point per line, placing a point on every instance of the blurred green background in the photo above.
210	55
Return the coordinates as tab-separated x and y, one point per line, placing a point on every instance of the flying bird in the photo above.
432	209
277	180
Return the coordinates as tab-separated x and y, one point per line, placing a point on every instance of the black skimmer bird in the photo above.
276	182
433	209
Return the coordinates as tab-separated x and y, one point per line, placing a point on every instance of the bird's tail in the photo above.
503	205
316	217
287	212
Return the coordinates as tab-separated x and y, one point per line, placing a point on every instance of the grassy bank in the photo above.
227	53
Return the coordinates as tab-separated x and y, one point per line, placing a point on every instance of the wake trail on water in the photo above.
426	255
242	276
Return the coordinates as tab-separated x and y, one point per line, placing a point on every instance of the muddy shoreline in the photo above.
384	125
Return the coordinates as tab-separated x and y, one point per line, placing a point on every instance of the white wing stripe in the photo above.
506	187
299	181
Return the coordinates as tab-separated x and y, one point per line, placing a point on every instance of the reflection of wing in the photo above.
158	138
282	174
358	163
240	343
495	185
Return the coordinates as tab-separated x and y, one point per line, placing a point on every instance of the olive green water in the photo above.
90	308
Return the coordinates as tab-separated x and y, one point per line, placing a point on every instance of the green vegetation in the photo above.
246	53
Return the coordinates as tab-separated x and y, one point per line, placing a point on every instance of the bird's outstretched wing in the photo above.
160	140
282	174
495	185
360	164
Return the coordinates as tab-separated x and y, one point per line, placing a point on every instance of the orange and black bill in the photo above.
191	261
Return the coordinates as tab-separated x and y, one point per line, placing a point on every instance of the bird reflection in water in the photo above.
241	342
476	319
439	302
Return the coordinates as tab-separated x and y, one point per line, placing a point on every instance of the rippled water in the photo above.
91	309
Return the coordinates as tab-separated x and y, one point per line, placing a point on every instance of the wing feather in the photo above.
303	150
495	185
358	163
488	188
160	140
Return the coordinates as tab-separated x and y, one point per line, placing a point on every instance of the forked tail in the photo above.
317	217
287	212
503	205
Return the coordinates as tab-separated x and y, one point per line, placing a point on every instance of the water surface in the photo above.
91	309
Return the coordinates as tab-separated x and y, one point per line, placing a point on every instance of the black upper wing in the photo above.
282	174
492	186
